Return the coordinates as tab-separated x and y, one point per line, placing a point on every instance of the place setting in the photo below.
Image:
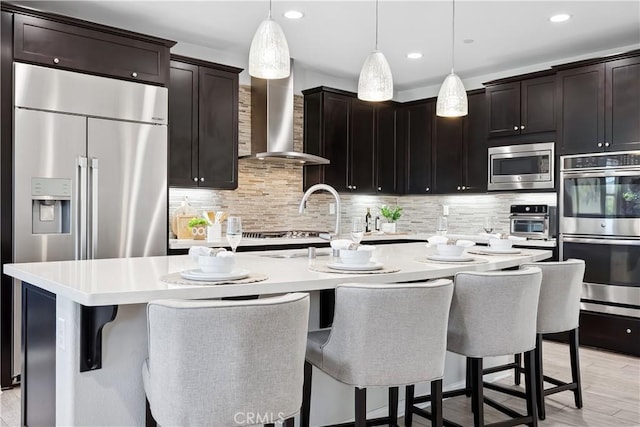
441	250
216	266
497	246
353	257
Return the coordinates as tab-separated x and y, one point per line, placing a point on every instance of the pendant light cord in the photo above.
376	24
269	9
453	34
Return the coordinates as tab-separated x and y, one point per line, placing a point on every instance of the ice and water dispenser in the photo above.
51	205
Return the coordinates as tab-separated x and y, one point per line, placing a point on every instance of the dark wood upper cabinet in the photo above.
475	169
203	124
418	149
387	149
599	106
336	132
521	107
99	50
362	176
448	155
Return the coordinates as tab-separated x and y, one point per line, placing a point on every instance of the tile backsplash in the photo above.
268	196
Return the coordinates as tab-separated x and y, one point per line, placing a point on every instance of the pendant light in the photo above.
452	98
269	52
375	82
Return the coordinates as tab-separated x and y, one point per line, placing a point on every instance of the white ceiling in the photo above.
334	37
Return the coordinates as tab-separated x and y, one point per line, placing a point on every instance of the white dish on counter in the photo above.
198	274
451	258
370	266
508	251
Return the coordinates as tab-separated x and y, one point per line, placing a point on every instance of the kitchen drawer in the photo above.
79	48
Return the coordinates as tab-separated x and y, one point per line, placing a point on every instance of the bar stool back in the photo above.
225	362
559	311
382	336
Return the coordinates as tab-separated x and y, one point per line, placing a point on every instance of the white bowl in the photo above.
500	243
465	243
216	264
450	250
436	240
362	255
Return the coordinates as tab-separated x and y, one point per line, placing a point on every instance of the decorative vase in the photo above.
199	232
388	227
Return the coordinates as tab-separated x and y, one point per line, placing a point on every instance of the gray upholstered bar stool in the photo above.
494	314
225	363
559	311
382	336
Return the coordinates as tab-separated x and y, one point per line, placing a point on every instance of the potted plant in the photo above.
391	214
198	228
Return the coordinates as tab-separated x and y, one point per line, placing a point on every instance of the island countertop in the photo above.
137	280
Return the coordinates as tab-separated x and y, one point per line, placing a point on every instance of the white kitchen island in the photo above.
65	304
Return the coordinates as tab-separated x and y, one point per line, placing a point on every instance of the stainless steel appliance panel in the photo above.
128	167
63	91
522	166
48	145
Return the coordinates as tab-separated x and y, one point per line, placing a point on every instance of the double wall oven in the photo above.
599	212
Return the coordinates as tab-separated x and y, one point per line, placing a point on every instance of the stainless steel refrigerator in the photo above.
90	168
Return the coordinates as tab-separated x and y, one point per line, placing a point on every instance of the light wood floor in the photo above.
610	387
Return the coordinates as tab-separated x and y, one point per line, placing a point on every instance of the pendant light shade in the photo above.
452	98
269	52
375	82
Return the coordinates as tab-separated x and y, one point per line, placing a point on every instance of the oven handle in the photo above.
628	242
524	216
600	174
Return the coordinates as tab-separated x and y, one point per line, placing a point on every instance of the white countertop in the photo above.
136	280
246	242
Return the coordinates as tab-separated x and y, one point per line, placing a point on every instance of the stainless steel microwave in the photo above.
521	167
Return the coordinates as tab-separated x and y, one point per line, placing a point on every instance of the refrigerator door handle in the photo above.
81	209
93	245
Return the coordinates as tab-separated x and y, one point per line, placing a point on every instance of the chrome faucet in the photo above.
329	189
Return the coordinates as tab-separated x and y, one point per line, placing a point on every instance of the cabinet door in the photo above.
68	46
537	105
312	139
447	155
183	125
218	129
580	95
419	122
622	110
386	150
337	109
475	166
503	105
361	159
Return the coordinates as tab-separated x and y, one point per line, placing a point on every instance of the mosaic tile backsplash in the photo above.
268	196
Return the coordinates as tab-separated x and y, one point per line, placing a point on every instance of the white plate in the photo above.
198	274
501	251
355	267
450	258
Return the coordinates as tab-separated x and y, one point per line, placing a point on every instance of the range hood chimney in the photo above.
272	123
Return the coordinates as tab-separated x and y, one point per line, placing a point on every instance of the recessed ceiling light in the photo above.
561	17
293	14
414	55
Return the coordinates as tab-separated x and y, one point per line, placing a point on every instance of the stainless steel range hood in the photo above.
272	123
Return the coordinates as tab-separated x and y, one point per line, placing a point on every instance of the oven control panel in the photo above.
609	160
530	209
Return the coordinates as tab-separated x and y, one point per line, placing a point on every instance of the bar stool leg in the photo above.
393	406
574	344
149	421
361	407
436	403
477	397
517	359
305	411
530	385
468	378
408	403
289	422
539	377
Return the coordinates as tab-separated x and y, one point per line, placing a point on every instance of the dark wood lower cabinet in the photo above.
38	357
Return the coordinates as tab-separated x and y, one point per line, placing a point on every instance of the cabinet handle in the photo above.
202	179
628	331
599	144
606	144
464	188
355	188
134	74
516	128
379	188
426	189
521	127
195	179
56	61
